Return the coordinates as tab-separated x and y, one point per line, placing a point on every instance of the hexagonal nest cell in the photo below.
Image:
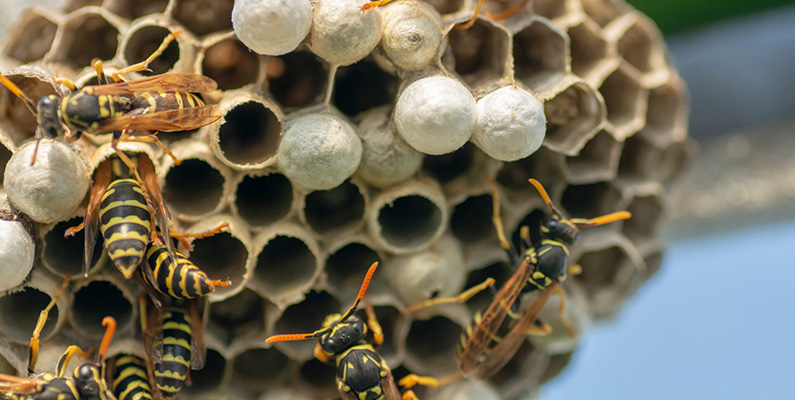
615	137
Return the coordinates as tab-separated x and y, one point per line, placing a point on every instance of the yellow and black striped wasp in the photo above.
361	372
128	377
496	333
87	381
158	103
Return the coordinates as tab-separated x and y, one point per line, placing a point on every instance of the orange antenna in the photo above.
296	336
545	196
110	329
604	219
362	291
19	93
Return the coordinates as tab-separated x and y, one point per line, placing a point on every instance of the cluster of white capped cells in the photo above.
348	135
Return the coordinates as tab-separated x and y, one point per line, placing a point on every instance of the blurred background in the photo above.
717	320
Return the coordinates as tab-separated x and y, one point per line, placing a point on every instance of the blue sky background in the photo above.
717	322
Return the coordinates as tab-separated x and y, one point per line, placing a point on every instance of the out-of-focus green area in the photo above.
678	16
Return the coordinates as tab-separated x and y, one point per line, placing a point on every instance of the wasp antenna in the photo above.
295	336
19	93
35	152
362	291
544	196
110	329
604	219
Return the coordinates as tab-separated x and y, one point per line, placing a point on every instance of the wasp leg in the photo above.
374	4
183	236
574	270
144	65
412	380
98	66
461	298
409	395
60	370
372	322
472	20
35	338
539	328
562	311
63	81
151	138
74	230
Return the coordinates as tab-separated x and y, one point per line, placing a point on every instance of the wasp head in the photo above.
556	228
47	117
88	381
343	334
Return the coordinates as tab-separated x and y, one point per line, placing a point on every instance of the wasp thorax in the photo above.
85	375
49	123
343	335
558	229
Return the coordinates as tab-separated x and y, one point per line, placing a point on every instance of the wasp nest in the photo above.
349	137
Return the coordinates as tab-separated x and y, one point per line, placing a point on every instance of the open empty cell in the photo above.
666	116
95	301
19	312
335	209
471	219
591	200
431	346
639	159
646	213
446	6
556	364
514	175
231	64
479	53
653	262
347	266
518	372
672	161
193	187
263	200
208	378
550	8
409	221
597	161
65	254
318	379
446	167
499	271
32	37
305	317
540	52
258	369
600	268
284	264
143	42
639	46
601	11
202	16
588	47
6	367
239	316
296	79
532	221
624	101
86	28
573	117
362	86
132	9
221	256
392	323
250	134
18	122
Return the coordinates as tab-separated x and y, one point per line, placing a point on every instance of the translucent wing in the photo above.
91	222
14	385
495	314
148	174
171	82
180	119
198	349
152	328
504	350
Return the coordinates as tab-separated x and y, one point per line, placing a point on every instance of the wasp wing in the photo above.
171	82
504	350
15	385
91	222
148	174
485	331
152	329
198	349
180	119
391	391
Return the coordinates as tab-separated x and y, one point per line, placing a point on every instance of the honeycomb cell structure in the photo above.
328	156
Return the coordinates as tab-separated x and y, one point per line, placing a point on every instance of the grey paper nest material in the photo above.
327	160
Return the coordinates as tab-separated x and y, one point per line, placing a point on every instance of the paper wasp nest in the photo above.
315	193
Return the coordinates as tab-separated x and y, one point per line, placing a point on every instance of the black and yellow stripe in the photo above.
177	277
83	110
163	101
130	380
172	371
125	223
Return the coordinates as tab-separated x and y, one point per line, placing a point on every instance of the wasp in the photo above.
361	372
496	333
158	103
86	382
178	277
128	376
174	341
